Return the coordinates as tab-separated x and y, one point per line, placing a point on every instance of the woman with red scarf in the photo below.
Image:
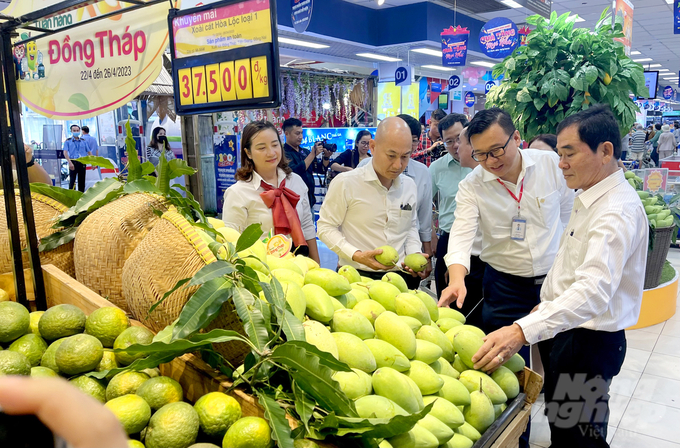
268	192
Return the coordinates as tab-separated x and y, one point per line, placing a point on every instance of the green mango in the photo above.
332	282
435	335
295	298
516	363
469	431
354	384
429	302
376	406
319	304
337	305
409	305
348	300
386	355
471	380
391	384
385	294
630	175
318	335
370	309
412	322
350	273
350	321
452	314
353	352
390	328
498	409
427	351
480	412
454	391
507	381
427	380
458	441
443	367
459	365
395	279
447	323
466	344
445	411
438	429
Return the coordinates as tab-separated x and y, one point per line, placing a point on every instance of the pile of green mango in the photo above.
405	353
659	214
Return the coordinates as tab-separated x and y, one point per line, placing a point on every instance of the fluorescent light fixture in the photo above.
578	19
483	63
301	43
511	4
643	60
654	65
379	57
380	2
635	53
474	88
438	67
664	70
670	2
430	51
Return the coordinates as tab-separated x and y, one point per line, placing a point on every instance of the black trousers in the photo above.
473	283
78	171
579	366
411	282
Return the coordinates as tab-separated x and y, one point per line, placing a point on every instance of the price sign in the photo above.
225	56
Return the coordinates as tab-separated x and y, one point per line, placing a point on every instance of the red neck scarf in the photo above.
282	201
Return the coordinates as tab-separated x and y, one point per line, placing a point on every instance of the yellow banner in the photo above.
89	70
410	101
389	100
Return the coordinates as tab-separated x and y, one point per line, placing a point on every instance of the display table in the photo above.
658	304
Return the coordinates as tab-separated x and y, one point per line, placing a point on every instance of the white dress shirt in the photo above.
243	205
421	176
359	213
484	203
597	279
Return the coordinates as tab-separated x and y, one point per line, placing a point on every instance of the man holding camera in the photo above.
433	148
303	162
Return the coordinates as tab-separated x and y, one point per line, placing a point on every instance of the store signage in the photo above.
489	85
402	76
523	34
409	100
225	57
655	180
224	147
499	37
301	14
454	82
89	70
624	12
389	100
469	99
668	93
454	46
676	17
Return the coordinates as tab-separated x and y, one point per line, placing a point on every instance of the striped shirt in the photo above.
637	142
597	279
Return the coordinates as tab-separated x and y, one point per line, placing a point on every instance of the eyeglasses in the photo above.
496	153
450	143
365	143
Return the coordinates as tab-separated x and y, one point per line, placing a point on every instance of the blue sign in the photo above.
402	76
499	37
454	82
454	46
676	17
343	137
668	93
436	87
488	86
225	165
301	14
469	99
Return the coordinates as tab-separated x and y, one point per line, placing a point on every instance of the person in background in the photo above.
348	160
666	143
546	142
654	140
159	145
74	148
374	206
303	162
91	141
432	146
637	143
593	291
676	131
268	192
625	144
446	173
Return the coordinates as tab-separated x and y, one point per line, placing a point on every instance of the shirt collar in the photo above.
257	179
591	195
370	175
527	161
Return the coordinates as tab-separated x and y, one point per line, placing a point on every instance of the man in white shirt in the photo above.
592	292
374	205
521	203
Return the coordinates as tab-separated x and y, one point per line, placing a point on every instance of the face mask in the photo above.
76	134
162	139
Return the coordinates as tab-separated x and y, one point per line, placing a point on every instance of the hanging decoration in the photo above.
454	46
523	34
499	37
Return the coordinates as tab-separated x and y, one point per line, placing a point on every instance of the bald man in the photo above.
373	206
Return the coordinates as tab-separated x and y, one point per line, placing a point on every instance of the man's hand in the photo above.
318	148
498	347
70	166
434	146
326	153
367	258
455	291
28	150
422	274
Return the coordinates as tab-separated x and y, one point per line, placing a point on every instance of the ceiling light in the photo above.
430	51
301	43
670	2
634	53
439	67
511	3
654	65
475	88
577	18
643	60
380	2
483	63
664	70
379	57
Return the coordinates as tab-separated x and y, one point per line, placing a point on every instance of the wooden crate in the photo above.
198	378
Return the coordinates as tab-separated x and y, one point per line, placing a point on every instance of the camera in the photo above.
332	147
438	151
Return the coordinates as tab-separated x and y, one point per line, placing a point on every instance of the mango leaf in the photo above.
249	236
98	194
150	362
163	181
277	420
178	285
61	195
182	346
264	308
203	307
325	358
378	428
291	325
148	168
212	271
165	335
101	162
179	167
304	405
217	361
253	320
314	378
140	185
134	165
80	101
57	239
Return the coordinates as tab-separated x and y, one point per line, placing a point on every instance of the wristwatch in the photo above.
31	163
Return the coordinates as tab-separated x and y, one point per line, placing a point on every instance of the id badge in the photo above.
519	229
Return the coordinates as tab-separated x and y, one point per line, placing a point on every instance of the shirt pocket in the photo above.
571	254
549	207
399	220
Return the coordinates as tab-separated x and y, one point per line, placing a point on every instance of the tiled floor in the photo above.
645	396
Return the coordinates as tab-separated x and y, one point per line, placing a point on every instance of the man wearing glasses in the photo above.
521	203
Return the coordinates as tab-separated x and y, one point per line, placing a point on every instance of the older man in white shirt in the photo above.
374	205
593	291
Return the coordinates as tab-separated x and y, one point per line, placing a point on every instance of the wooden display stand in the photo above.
198	378
658	304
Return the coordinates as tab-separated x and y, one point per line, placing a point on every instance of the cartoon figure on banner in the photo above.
225	160
668	93
29	60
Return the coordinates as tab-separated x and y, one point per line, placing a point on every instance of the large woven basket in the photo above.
657	256
107	238
45	213
173	251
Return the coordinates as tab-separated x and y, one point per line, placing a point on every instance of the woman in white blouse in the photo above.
268	192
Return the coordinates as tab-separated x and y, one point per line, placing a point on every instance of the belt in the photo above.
537	280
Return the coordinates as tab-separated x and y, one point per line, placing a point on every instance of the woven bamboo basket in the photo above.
173	251
107	238
45	212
